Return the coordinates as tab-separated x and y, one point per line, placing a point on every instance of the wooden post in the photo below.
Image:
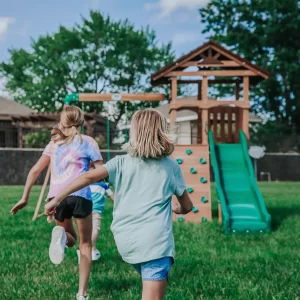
20	137
37	208
95	97
204	111
199	126
200	90
237	122
219	213
204	89
245	118
215	122
222	124
246	88
229	125
173	102
199	119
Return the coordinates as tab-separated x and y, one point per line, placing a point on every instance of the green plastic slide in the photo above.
243	206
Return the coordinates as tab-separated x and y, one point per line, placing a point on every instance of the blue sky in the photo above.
173	20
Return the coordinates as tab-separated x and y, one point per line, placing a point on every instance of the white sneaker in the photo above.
58	244
96	254
82	297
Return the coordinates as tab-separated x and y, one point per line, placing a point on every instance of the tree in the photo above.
267	33
37	139
97	56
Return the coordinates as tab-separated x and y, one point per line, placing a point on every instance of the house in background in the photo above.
9	130
17	121
186	121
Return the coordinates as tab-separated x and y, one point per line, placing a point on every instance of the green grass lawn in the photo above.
209	264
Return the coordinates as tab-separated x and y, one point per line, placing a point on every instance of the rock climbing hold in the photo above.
179	161
190	190
204	199
188	151
193	170
204	219
203	179
195	209
180	219
202	161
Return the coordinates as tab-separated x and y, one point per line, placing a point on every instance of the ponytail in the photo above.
70	134
71	119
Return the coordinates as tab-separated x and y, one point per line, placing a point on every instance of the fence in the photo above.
16	163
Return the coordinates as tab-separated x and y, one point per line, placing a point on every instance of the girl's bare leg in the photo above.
85	228
95	235
154	290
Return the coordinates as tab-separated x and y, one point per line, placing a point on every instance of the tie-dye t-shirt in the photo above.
69	162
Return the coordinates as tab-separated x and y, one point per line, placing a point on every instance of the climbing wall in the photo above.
194	163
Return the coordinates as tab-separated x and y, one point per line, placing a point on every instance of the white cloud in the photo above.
4	23
181	38
167	7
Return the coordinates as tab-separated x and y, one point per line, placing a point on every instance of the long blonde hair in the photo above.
149	135
71	120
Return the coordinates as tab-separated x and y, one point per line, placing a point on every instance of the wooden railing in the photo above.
225	122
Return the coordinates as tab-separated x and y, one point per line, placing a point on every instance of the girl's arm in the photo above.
80	182
33	174
185	204
98	164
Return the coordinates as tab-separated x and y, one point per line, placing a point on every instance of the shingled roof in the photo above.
194	55
10	107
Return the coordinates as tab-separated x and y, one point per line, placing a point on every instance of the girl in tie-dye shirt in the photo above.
69	155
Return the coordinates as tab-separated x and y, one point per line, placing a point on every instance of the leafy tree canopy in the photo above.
267	33
98	55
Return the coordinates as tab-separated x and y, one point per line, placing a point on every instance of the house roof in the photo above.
10	107
196	55
188	115
49	119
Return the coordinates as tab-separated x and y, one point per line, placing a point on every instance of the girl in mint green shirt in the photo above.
144	180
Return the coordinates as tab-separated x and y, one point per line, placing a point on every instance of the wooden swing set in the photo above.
90	97
212	64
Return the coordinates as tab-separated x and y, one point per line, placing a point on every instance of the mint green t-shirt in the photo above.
142	217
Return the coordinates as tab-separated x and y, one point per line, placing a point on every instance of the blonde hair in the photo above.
56	134
71	120
149	135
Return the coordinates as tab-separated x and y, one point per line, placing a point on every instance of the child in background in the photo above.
144	180
99	191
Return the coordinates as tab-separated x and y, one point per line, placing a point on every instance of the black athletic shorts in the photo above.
73	206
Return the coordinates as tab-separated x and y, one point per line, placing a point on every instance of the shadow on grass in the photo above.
109	287
279	214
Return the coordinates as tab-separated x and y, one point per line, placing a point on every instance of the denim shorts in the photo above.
153	270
